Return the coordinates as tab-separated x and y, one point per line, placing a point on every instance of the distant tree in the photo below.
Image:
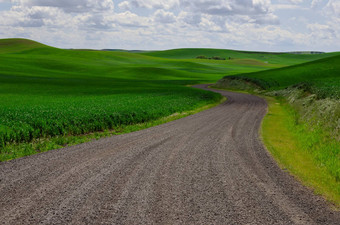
218	58
214	57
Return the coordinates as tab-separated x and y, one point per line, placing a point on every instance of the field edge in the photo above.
59	142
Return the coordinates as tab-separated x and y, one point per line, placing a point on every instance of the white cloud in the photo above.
130	19
321	33
160	24
150	4
333	7
70	5
36	16
285	6
255	11
268	19
207	24
125	5
162	16
228	7
296	1
316	3
190	18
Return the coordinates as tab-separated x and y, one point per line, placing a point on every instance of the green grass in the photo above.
321	77
19	45
47	92
309	155
260	57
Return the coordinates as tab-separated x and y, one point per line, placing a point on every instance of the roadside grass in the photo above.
310	155
18	150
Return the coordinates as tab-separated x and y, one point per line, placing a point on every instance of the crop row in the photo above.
53	116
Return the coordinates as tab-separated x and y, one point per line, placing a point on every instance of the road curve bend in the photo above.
208	168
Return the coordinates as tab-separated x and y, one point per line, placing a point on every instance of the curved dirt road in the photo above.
209	168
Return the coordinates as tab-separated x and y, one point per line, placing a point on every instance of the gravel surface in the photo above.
208	168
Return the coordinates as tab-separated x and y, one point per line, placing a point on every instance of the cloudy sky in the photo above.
267	25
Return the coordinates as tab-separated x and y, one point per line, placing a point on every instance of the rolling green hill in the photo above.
19	45
321	77
263	57
49	92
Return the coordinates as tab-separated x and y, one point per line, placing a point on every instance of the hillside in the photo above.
18	45
321	77
264	57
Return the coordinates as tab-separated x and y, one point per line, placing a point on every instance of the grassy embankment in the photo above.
53	97
302	128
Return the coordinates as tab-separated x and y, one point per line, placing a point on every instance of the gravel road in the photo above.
208	168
